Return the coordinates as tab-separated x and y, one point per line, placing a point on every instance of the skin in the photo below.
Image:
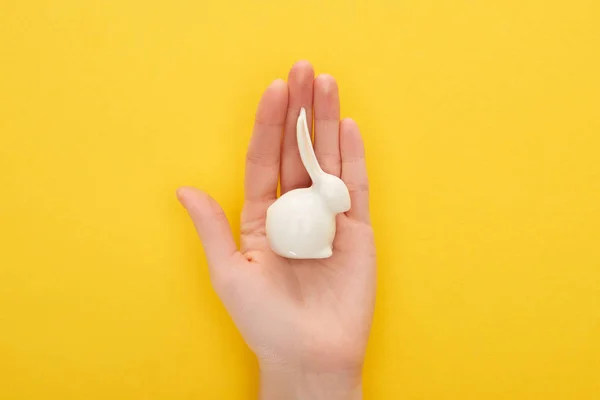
307	321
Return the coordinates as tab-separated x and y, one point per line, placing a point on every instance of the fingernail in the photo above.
179	194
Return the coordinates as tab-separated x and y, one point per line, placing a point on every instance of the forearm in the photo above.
278	385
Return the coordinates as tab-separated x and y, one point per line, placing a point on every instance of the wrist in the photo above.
283	384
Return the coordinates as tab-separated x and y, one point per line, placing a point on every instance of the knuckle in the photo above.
358	187
327	157
353	159
267	124
330	162
220	280
262	159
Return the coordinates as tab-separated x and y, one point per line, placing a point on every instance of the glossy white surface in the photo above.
301	223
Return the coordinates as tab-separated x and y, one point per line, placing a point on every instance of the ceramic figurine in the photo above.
301	223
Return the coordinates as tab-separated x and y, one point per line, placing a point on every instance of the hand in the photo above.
307	321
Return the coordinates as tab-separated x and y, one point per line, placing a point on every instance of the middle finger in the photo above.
300	82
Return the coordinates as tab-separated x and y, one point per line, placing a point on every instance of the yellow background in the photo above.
481	121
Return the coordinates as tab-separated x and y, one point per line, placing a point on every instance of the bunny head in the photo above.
334	192
330	187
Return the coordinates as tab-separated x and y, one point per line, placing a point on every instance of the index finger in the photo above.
264	150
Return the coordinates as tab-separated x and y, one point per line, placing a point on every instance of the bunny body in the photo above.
301	223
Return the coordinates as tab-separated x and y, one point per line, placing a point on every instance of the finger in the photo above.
354	170
264	150
327	124
212	226
300	82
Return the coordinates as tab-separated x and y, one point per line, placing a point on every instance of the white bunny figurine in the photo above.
301	223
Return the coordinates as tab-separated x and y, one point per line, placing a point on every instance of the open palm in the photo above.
298	316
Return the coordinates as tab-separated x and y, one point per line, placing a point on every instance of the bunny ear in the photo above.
307	153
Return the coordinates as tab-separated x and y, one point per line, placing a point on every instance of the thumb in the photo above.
212	226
